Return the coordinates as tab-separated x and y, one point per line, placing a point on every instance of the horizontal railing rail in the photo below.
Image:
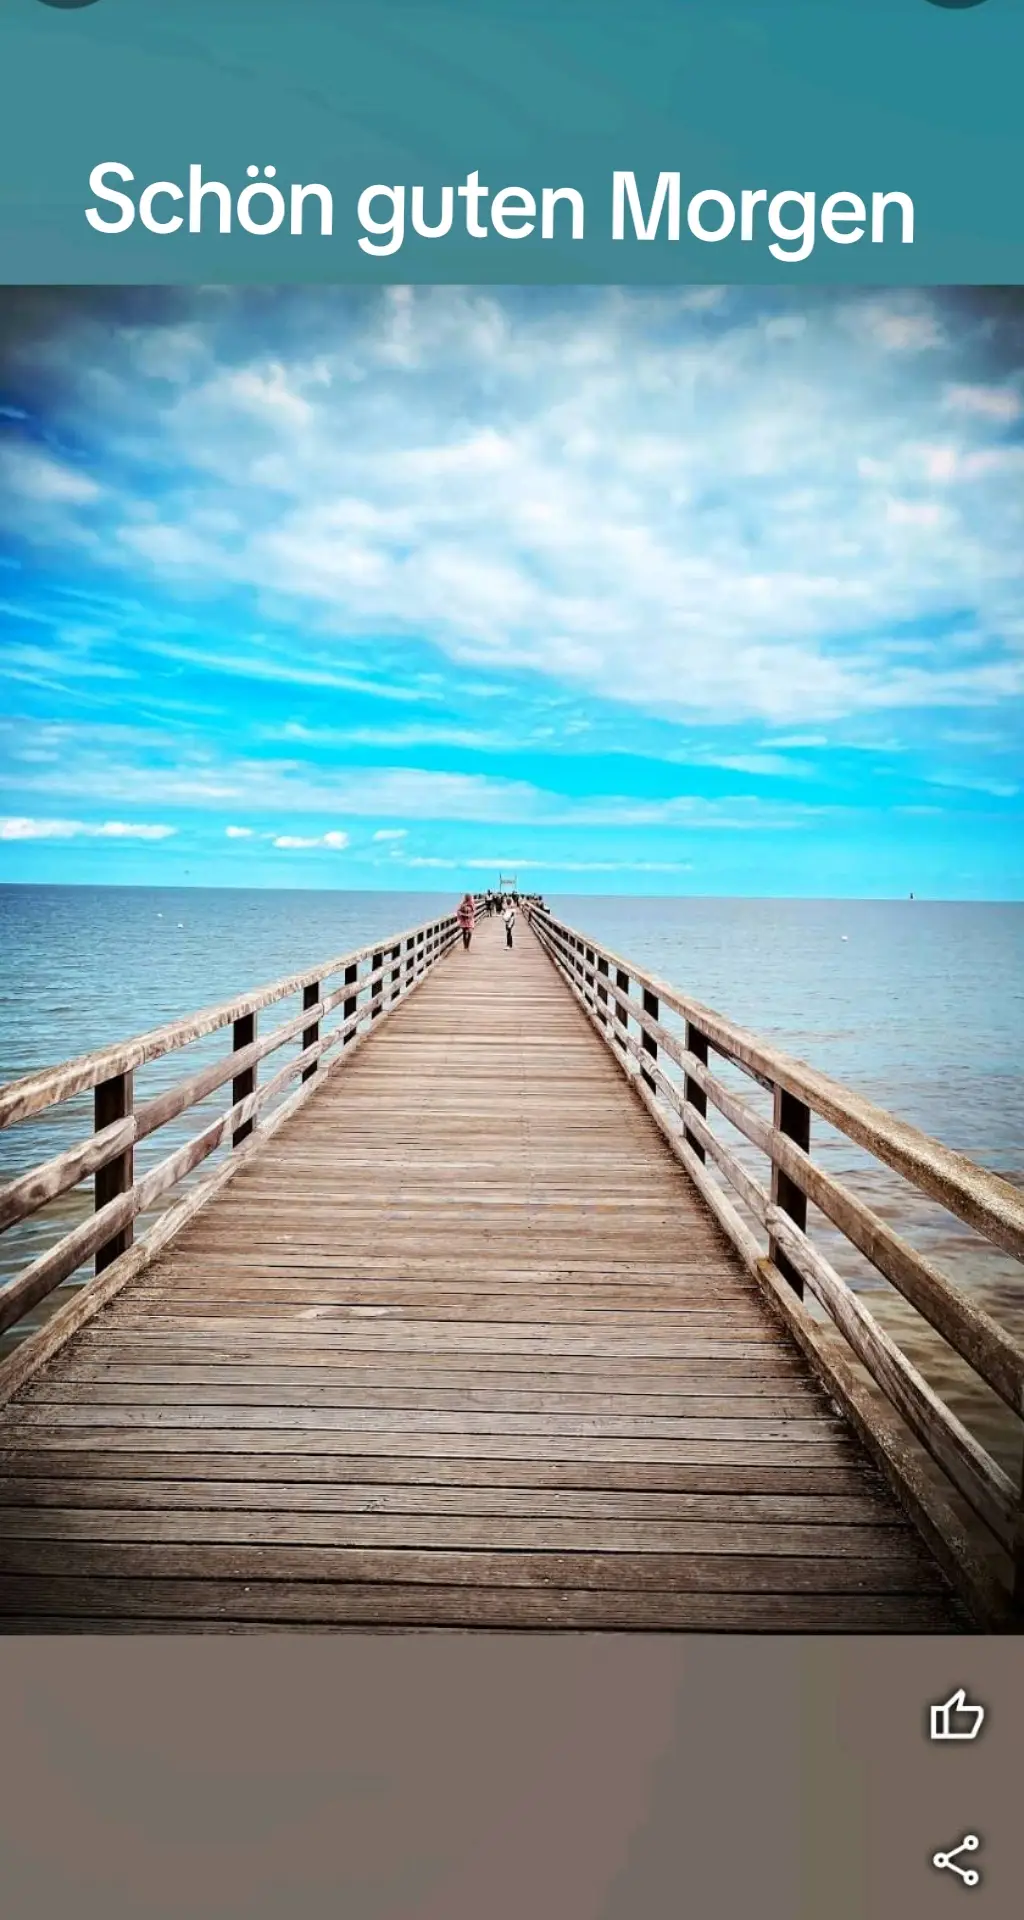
374	978
626	1004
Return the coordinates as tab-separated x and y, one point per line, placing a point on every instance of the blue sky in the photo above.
697	591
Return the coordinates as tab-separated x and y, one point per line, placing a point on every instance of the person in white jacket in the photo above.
509	917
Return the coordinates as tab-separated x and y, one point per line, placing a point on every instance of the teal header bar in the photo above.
756	141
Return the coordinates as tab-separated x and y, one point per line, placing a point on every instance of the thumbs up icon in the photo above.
955	1720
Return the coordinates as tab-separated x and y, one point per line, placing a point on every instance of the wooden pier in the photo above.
462	1332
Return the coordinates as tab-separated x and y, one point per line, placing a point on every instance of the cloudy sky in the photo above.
693	591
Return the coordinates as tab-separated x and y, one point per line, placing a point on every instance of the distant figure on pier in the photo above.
510	921
466	917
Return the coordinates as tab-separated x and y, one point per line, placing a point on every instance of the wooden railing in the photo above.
373	979
627	1005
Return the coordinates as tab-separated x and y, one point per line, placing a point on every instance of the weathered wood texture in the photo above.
908	1429
461	1346
119	1123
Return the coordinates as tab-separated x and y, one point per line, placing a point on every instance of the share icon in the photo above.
969	1875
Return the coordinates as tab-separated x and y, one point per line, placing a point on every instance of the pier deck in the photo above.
462	1345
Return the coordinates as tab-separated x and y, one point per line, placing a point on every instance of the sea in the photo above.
917	1004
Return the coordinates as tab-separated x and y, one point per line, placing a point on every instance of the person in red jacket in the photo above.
466	917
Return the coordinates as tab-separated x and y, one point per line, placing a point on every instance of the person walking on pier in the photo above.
510	921
466	917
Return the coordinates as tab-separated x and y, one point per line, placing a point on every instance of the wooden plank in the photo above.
51	1178
970	1330
166	1352
744	1428
414	1531
180	1603
436	1336
311	1342
479	1315
758	1572
465	1347
40	1346
270	1392
972	1471
99	1466
291	1498
968	1560
833	1450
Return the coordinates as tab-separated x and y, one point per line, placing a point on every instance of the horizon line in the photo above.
823	899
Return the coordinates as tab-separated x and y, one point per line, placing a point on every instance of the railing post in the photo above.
243	1033
410	959
602	992
396	971
377	989
621	1015
112	1100
352	1000
692	1093
311	1034
792	1118
650	1046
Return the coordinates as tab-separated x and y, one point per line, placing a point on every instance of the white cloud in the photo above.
915	513
391	833
941	463
334	840
410	793
38	477
122	830
651	498
902	323
800	740
15	827
509	864
975	783
766	764
267	664
993	403
239	833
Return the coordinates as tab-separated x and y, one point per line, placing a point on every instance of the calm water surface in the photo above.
918	1005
